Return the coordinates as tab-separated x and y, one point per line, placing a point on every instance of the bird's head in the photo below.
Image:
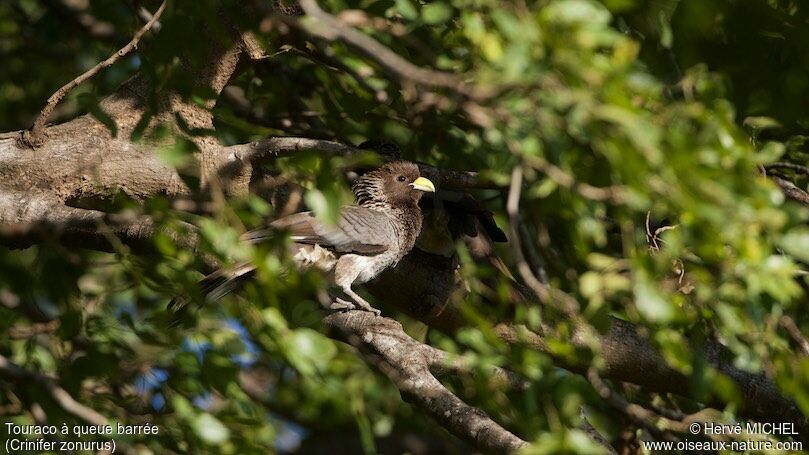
396	183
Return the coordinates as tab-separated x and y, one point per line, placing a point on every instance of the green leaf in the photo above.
666	35
309	351
407	9
324	207
210	429
650	303
577	11
436	13
796	243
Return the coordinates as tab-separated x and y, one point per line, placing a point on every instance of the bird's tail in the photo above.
214	286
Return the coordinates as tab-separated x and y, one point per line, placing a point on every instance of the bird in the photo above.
369	237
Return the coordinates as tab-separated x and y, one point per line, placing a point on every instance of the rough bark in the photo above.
407	363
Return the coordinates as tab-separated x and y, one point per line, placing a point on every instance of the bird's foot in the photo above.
362	305
341	305
344	305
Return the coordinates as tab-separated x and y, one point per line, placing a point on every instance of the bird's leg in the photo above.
360	302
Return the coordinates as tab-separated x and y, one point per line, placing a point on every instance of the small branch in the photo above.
791	166
653	238
791	190
462	179
532	254
513	210
234	157
320	57
636	413
543	292
443	363
332	28
143	14
9	410
34	136
277	147
38	328
54	222
594	434
12	371
614	194
406	362
789	324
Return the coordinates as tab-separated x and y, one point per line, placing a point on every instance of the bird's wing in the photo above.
359	230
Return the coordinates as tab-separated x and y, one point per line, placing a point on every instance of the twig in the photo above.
320	57
543	292
33	137
234	157
332	28
277	147
614	194
513	210
653	238
594	434
51	221
791	190
11	370
143	14
441	362
21	333
535	260
791	166
637	413
10	409
789	324
650	238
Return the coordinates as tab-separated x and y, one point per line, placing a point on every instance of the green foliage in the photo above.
672	104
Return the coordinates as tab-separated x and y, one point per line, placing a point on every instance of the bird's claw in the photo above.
344	305
341	305
364	306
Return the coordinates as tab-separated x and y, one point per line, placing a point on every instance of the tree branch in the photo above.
613	194
332	28
34	136
14	372
789	324
424	286
791	190
594	434
49	221
791	166
636	413
406	362
234	157
443	363
547	295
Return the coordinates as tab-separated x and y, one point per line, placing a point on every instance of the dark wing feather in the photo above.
214	286
359	230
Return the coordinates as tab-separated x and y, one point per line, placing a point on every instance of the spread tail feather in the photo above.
214	286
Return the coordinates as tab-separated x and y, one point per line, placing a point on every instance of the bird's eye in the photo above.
401	178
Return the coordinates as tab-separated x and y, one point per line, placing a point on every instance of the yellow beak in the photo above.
423	184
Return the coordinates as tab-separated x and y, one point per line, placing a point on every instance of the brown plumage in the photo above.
368	238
